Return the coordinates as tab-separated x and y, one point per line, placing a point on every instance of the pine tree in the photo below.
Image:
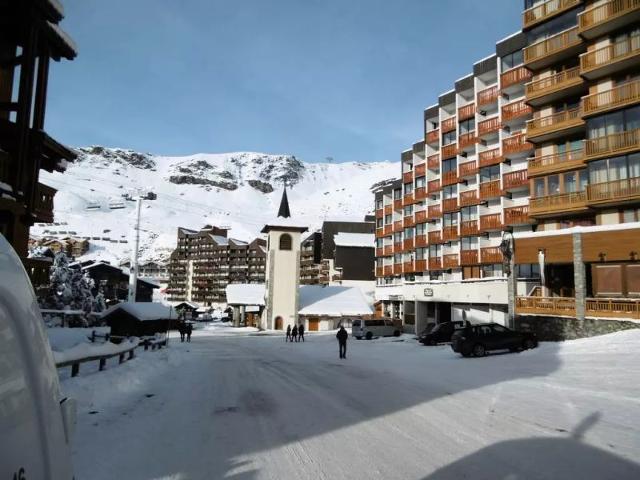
70	288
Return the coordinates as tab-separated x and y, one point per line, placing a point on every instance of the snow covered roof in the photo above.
189	304
143	311
219	239
334	301
245	293
343	239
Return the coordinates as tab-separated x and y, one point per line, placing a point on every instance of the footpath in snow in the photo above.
243	405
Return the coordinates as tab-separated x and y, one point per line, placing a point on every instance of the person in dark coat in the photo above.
301	332
294	333
181	329
288	333
188	331
342	336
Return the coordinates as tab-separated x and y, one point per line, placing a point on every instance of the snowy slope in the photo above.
237	190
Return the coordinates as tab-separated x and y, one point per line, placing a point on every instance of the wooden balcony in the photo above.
490	190
397	247
449	205
379	272
558	124
470	197
514	76
449	178
435	263
448	125
491	222
513	180
407	177
449	151
380	213
621	96
516	110
469	228
388	229
614	144
469	257
434	211
490	255
398	226
556	205
553	49
421	216
388	270
433	186
433	136
420	193
450	261
387	250
596	21
553	87
546	305
488	96
489	157
616	192
516	144
408	222
388	209
379	253
407	199
435	237
407	244
555	163
421	266
397	269
408	267
517	216
467	139
433	162
487	127
613	308
379	232
466	112
420	170
544	11
397	204
610	58
467	169
43	204
421	241
450	233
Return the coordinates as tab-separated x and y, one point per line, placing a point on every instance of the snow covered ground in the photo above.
242	405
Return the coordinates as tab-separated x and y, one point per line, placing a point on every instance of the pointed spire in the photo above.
284	211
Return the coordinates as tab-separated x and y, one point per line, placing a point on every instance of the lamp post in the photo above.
507	247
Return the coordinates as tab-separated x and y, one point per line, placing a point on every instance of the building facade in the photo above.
206	261
541	136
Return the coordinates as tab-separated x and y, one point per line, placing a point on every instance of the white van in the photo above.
35	423
373	328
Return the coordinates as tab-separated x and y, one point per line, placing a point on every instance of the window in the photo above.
421	253
469	243
421	229
397	237
616	168
450	219
450	191
408	188
528	270
499	329
379	243
630	215
397	258
553	26
408	210
421	182
397	194
408	233
615	122
488	174
467	126
448	138
379	204
449	165
468	213
435	251
285	241
470	272
388	219
379	222
564	183
494	270
512	60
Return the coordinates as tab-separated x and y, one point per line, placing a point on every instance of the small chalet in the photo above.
139	319
114	283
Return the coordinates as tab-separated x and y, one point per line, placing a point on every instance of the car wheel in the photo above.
529	344
432	342
465	354
479	350
369	336
396	333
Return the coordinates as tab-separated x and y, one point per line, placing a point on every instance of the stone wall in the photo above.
563	328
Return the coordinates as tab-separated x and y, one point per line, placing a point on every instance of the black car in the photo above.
440	333
477	340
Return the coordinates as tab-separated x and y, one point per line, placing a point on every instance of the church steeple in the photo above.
284	211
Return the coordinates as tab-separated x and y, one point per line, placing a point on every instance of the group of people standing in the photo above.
185	330
295	334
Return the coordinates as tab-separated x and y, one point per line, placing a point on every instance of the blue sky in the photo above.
346	79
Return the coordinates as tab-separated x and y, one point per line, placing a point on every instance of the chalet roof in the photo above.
333	301
143	311
245	293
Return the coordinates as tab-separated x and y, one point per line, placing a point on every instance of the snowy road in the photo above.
242	406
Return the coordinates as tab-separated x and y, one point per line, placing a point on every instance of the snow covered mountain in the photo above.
237	190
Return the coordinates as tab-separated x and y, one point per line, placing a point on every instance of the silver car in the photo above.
374	328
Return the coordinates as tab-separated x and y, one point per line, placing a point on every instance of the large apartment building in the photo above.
542	136
206	261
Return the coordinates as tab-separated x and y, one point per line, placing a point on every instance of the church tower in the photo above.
283	269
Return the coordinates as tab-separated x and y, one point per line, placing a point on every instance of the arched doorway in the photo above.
278	325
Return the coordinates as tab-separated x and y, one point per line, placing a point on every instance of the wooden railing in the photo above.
433	211
433	186
489	126
606	12
388	229
433	162
515	75
468	169
435	263
620	96
433	136
388	209
407	177
397	247
407	199
379	272
559	202
408	222
615	52
420	170
421	216
469	228
397	269
449	151
467	139
515	110
616	143
387	250
545	85
449	204
492	221
407	244
470	197
517	215
397	204
380	232
449	178
613	308
420	193
546	305
448	125
543	11
397	226
123	355
450	261
420	265
516	143
552	45
490	255
468	257
421	241
488	95
489	157
514	179
450	233
490	189
554	122
435	237
618	190
556	162
380	213
466	112
388	270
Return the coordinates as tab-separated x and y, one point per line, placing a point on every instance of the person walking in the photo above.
189	330
288	337
301	332
294	333
181	330
342	336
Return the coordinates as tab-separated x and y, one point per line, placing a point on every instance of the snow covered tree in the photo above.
70	288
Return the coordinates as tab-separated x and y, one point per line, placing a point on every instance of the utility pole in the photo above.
133	273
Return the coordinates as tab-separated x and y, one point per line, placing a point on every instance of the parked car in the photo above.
477	340
440	333
374	328
35	422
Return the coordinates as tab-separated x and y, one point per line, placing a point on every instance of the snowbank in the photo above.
62	339
84	350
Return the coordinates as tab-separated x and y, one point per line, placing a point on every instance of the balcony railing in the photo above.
43	205
552	45
469	228
450	261
433	211
610	54
514	179
490	189
408	222
449	178
620	96
433	186
407	199
470	197
397	226
467	139
488	96
450	233
467	169
546	10
435	263
420	265
490	255
515	110
397	204
379	253
556	162
421	241
387	250
516	144
420	170
606	12
407	244
563	202
553	83
489	157
407	177
397	269
488	126
490	222
433	162
448	125
449	204
618	308
420	193
468	257
449	151
517	215
468	111
397	247
433	136
546	305
514	76
435	237
421	216
557	121
388	270
614	144
616	191
388	229
388	209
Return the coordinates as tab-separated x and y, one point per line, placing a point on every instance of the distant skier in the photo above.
288	333
301	332
294	333
189	330
342	336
